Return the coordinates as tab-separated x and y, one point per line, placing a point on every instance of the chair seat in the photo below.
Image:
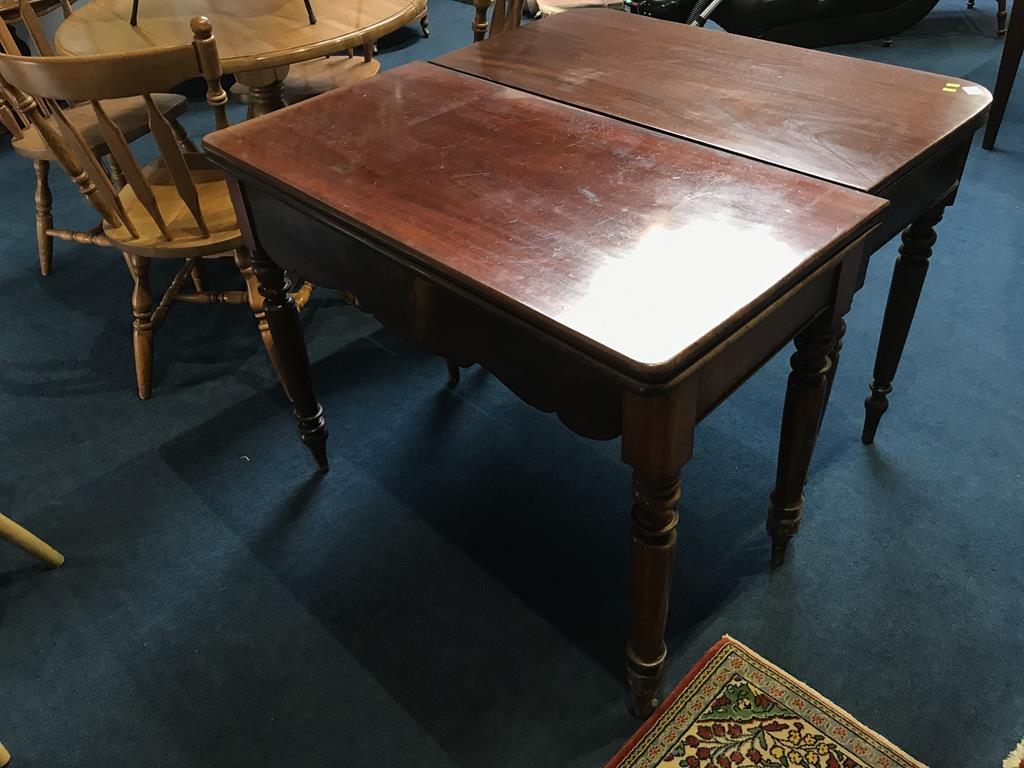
129	115
186	239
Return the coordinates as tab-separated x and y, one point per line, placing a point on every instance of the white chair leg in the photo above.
29	542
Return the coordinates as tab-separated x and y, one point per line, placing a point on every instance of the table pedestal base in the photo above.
311	78
307	79
266	90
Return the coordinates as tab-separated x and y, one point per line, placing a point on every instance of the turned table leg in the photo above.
652	554
801	418
904	292
657	439
290	346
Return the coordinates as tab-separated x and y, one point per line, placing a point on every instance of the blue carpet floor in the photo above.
453	592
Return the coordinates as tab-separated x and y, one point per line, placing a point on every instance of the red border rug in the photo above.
735	709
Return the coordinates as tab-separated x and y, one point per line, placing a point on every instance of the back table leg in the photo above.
801	418
286	330
904	292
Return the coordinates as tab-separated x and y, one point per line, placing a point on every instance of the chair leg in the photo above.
142	328
28	542
44	216
255	301
425	26
116	174
197	276
1013	50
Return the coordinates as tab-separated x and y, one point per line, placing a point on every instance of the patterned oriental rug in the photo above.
1016	758
736	709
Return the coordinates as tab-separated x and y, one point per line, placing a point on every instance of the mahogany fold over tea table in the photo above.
623	279
585	245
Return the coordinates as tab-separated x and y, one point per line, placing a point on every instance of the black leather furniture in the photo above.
808	23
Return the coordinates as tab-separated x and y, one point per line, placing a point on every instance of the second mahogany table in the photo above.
897	133
622	279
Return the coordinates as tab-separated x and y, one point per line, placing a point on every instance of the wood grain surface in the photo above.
637	247
857	123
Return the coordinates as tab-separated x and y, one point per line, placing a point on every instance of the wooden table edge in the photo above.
965	130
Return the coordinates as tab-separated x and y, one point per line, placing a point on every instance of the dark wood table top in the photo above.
857	123
638	248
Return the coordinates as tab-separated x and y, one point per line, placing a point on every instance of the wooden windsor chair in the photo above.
176	206
129	115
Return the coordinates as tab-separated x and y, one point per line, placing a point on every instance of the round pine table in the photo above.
257	39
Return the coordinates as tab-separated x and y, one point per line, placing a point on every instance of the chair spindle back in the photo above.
35	28
40	85
10	116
